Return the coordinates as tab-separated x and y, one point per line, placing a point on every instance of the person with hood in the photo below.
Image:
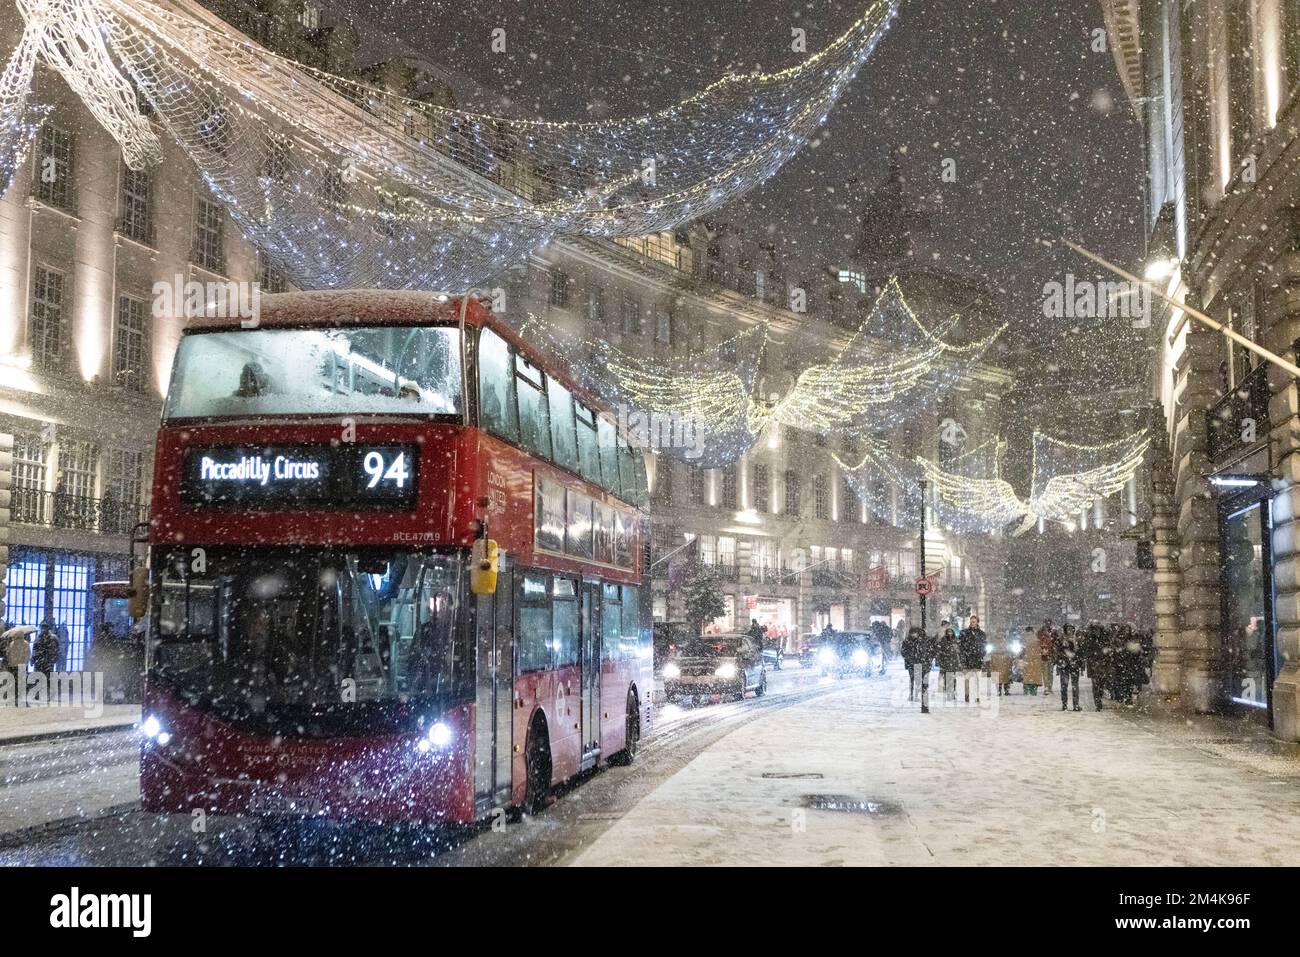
1068	663
947	654
1031	663
1000	665
45	653
971	650
1096	656
918	654
1046	635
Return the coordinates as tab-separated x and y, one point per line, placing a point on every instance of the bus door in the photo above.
494	691
590	673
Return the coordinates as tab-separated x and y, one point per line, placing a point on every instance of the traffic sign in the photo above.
924	586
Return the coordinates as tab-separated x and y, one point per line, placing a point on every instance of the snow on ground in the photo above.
25	722
1020	782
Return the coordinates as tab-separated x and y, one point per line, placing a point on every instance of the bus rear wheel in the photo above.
628	754
537	769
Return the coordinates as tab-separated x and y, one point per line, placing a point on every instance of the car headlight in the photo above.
727	671
1016	647
672	671
861	658
988	649
826	656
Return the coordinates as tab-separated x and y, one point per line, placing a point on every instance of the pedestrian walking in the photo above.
18	652
1046	635
911	650
1031	664
1096	657
948	657
1069	661
971	644
1000	664
918	652
45	652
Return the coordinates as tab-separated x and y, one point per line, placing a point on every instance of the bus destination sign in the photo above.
301	476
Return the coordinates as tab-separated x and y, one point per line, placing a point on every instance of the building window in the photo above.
54	167
726	551
45	335
136	221
596	303
663	327
792	492
762	498
131	344
124	491
727	491
78	460
854	278
631	316
821	500
850	508
270	278
708	550
1241	119
664	482
559	296
209	236
697	486
31	453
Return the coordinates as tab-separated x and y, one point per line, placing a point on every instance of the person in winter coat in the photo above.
948	656
1031	664
45	653
1046	635
1096	655
1069	662
918	655
17	654
1000	665
971	649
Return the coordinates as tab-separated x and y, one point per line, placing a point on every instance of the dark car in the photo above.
850	653
715	664
669	638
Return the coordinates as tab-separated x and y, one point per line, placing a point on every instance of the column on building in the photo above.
1200	613
1166	678
1281	329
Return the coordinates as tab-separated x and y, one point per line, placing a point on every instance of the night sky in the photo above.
1044	140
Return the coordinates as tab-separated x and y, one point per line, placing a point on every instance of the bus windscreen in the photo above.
381	369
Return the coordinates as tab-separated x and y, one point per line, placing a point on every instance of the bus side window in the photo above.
608	455
535	625
626	488
588	449
565	615
642	497
534	417
631	620
611	619
496	387
564	438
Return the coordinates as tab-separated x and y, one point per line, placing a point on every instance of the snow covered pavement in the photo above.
859	776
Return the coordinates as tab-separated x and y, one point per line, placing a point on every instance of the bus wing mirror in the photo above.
137	596
483	567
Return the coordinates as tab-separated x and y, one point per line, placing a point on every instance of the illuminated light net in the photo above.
714	389
343	184
968	494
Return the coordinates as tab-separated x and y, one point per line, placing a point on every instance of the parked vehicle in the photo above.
716	664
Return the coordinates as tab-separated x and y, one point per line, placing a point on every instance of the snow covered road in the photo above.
859	776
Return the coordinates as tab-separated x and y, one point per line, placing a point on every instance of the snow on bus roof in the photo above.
345	307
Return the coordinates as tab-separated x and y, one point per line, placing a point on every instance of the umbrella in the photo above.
17	630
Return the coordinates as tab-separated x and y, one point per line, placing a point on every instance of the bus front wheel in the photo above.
537	769
628	754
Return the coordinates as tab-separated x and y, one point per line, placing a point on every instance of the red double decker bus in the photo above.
325	634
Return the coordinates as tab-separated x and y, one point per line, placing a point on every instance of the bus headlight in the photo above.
151	727
860	658
440	734
672	671
726	671
988	649
826	657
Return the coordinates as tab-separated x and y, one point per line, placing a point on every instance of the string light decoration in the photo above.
969	494
344	184
714	389
19	118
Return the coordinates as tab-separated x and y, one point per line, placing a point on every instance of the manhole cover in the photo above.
789	775
848	803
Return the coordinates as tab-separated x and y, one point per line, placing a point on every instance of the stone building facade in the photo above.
1214	84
